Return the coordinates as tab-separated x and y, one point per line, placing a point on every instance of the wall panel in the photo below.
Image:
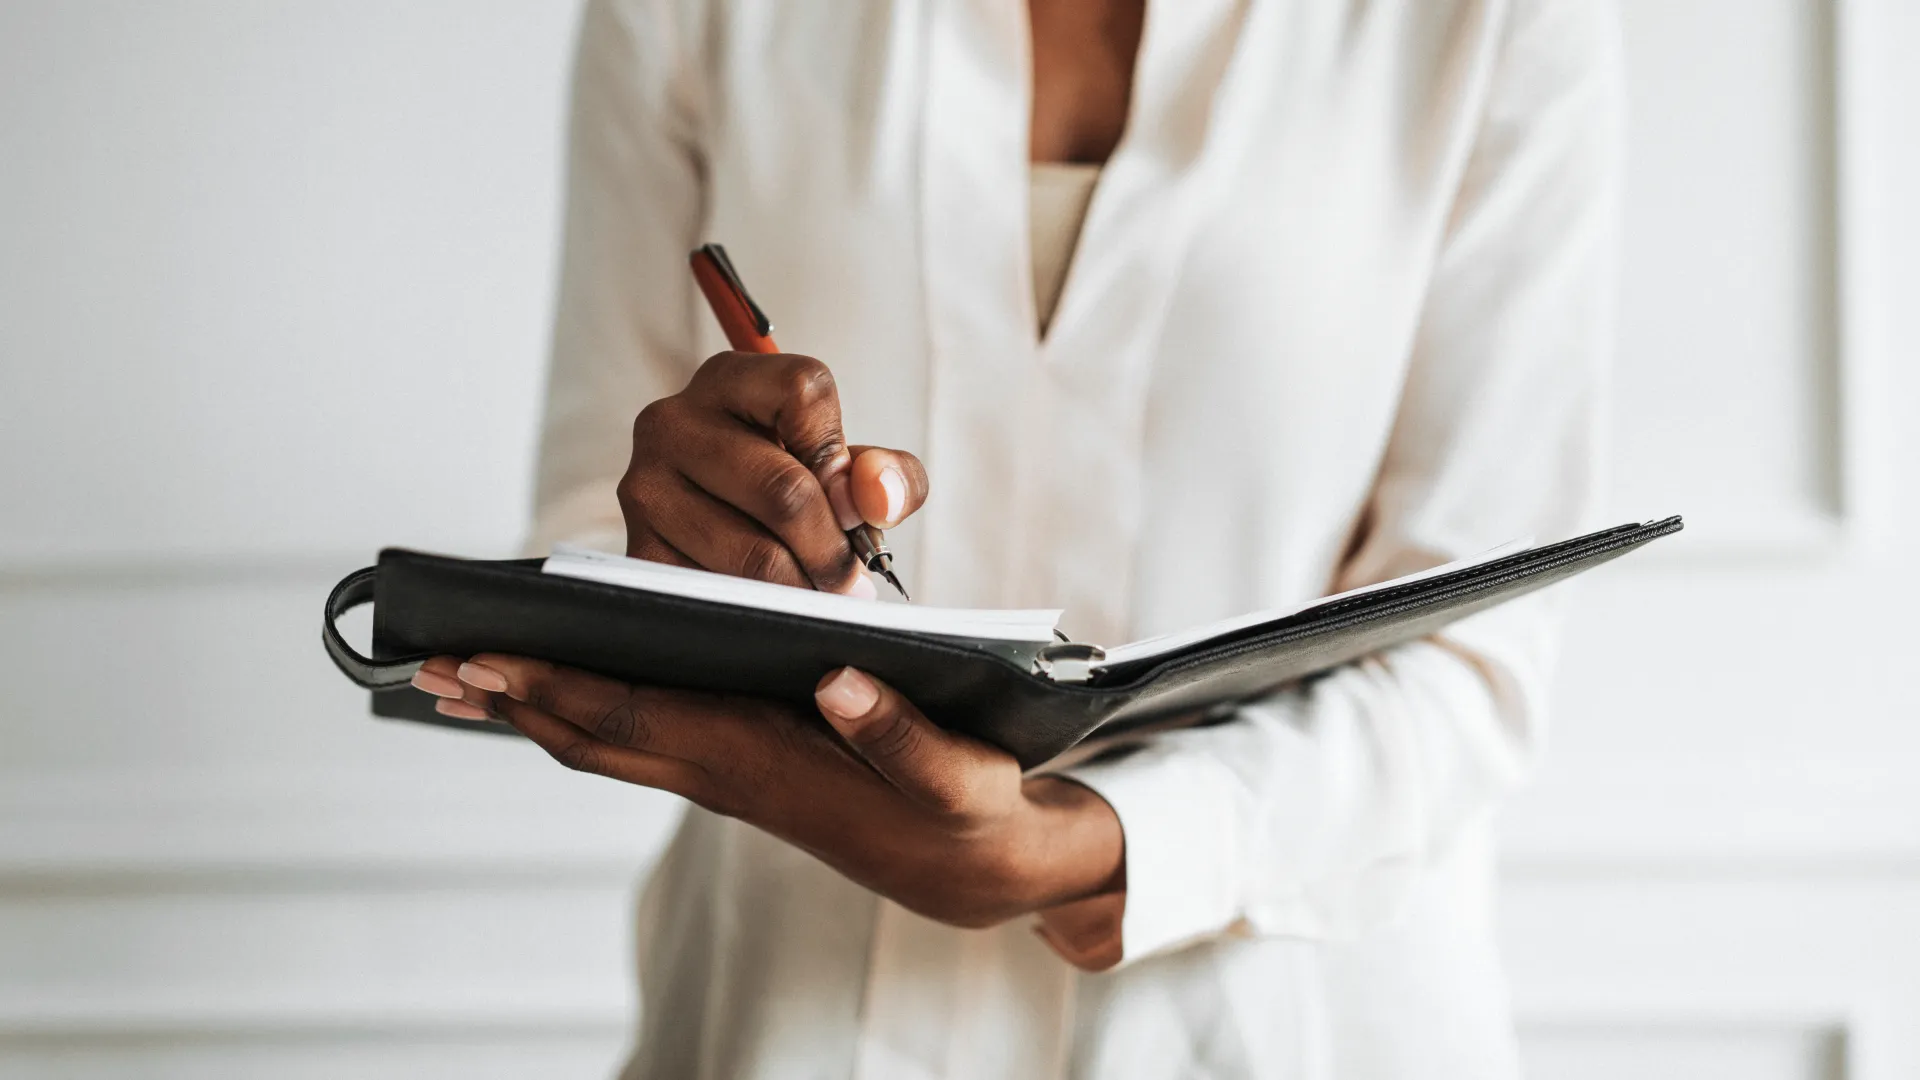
1729	367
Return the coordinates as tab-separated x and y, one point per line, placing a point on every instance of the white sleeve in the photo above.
1311	813
623	331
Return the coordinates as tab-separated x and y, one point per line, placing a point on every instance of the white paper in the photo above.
1031	628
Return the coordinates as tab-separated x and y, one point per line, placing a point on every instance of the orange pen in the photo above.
749	330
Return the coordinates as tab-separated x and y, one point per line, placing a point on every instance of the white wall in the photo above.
1718	871
274	281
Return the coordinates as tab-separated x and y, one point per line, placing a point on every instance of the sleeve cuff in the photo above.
1181	831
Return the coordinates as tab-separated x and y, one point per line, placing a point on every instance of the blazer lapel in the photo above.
978	302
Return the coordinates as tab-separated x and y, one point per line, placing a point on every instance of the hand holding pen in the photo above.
749	330
747	472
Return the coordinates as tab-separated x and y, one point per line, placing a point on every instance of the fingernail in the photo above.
894	483
437	685
863	588
840	497
481	677
848	695
459	710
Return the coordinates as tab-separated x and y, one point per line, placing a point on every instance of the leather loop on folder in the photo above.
367	673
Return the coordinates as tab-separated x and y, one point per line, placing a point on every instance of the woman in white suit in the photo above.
1182	309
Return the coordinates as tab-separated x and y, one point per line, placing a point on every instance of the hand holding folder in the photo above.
944	825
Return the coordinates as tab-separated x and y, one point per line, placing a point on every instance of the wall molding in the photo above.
1858	1026
1864	450
131	572
110	829
189	569
1855	367
519	1010
347	822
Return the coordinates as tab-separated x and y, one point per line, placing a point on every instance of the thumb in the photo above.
934	767
887	485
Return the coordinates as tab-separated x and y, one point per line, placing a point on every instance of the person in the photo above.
1176	310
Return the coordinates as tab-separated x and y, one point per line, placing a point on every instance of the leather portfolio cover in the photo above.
430	605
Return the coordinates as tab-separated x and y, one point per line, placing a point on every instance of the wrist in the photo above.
1074	847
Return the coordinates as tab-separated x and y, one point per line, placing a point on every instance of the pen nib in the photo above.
887	573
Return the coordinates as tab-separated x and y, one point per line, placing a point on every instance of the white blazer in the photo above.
1338	312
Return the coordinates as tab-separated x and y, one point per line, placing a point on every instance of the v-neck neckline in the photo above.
1057	199
1123	148
976	120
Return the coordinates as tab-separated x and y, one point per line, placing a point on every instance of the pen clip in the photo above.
717	255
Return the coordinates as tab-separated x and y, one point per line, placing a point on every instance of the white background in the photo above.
274	288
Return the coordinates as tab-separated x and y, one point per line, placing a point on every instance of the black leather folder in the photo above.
430	605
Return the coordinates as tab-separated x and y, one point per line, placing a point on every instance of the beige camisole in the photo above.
1057	198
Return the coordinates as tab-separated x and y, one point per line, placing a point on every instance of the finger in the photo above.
936	768
1086	933
438	677
460	710
614	712
581	752
741	468
724	540
794	397
644	542
888	485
